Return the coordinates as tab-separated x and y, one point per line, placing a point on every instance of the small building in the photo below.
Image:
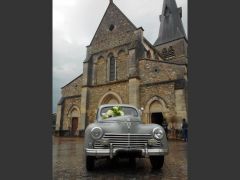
122	66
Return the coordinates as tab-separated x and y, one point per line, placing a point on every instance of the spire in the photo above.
171	27
110	1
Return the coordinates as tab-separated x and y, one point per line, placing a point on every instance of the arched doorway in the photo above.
73	124
112	101
75	119
157	118
156	112
110	98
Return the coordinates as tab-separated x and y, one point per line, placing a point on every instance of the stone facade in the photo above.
164	93
121	66
180	51
152	71
103	94
114	30
74	88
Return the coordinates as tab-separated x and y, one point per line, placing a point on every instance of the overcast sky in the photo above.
75	22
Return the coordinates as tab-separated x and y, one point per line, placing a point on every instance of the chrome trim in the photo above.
127	134
107	152
146	151
126	141
111	151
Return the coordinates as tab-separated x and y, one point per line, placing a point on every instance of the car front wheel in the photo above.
90	162
157	161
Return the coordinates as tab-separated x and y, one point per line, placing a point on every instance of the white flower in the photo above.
109	112
105	116
122	113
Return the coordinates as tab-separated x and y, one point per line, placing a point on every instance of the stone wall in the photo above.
164	91
73	88
156	71
122	32
101	71
101	68
180	104
122	65
180	49
97	92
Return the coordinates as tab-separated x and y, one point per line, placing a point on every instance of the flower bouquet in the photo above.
113	112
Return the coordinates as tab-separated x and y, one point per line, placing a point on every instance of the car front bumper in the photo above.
146	152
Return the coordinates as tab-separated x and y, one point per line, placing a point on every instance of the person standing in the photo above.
165	127
185	130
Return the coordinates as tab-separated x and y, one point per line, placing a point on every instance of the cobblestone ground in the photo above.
69	164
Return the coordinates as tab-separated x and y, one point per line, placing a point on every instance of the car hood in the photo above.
124	124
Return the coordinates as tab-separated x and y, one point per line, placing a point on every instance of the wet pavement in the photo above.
69	164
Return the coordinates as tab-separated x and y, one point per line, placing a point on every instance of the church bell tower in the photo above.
172	41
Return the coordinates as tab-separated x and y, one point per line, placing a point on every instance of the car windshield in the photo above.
128	111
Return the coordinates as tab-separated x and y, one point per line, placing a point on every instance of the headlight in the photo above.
158	133
96	133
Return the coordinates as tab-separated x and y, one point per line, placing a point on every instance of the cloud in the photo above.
76	21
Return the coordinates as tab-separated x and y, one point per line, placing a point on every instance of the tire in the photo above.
157	161
90	163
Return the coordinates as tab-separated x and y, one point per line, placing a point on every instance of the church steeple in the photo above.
171	27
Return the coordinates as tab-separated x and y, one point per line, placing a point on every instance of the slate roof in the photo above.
171	27
60	102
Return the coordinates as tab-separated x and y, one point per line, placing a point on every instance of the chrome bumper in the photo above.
112	152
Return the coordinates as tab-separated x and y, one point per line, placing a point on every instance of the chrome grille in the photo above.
126	140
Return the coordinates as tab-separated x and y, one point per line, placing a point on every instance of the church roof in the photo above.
71	81
61	101
171	27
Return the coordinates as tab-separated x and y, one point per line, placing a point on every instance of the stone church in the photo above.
122	66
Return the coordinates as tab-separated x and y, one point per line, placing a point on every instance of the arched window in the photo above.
167	11
148	54
171	51
112	68
164	53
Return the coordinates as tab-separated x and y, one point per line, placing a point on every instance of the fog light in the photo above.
104	142
152	142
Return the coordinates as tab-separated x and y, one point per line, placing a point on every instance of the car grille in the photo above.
126	141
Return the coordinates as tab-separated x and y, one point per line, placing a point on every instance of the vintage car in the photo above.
124	135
